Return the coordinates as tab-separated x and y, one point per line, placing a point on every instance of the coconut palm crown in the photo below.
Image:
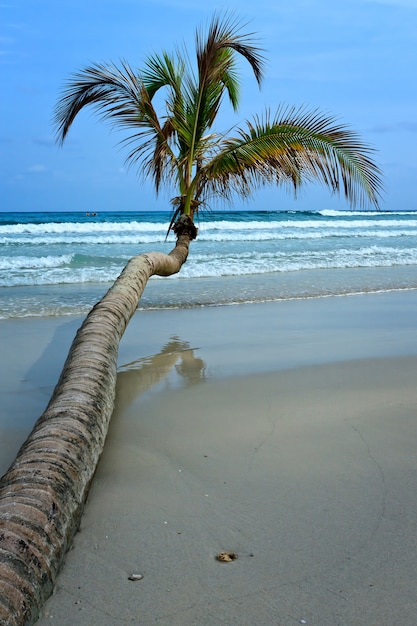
180	148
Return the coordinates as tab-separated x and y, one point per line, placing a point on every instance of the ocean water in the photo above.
62	263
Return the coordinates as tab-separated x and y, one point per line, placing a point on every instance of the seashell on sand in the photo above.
226	556
135	577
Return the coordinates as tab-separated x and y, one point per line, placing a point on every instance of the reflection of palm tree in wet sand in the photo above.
138	376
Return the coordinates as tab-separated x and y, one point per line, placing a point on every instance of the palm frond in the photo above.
120	96
113	92
225	34
216	64
163	70
294	147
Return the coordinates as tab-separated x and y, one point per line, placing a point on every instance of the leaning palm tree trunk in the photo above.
43	493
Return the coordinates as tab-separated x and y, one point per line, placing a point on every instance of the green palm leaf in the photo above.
295	146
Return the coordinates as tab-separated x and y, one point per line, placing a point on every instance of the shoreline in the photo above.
183	292
282	431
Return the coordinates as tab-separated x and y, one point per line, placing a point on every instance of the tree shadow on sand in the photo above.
138	376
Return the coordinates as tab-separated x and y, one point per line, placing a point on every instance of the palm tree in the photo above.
180	147
43	493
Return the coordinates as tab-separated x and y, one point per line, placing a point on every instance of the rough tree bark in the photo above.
43	493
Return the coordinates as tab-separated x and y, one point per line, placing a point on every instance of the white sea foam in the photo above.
281	262
110	228
202	266
80	227
284	232
361	213
33	263
71	238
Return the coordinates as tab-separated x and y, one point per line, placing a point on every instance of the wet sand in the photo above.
282	432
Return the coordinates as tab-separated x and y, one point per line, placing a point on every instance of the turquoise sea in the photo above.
62	263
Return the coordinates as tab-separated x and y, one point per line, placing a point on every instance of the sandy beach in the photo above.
282	432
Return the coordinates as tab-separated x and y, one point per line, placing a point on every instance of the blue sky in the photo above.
355	60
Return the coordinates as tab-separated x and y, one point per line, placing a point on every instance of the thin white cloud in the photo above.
44	141
409	4
37	168
5	46
395	127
